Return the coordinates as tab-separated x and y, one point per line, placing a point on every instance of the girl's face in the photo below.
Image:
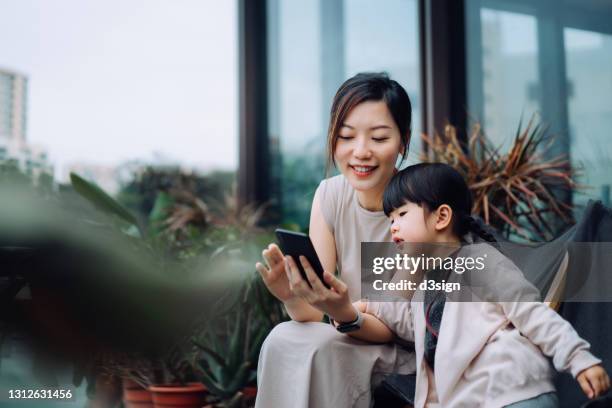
411	223
368	145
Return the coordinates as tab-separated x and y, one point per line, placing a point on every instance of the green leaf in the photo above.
98	197
213	386
159	213
236	341
239	378
257	343
208	352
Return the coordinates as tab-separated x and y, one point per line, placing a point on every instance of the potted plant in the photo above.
163	380
179	224
520	192
133	370
225	361
135	395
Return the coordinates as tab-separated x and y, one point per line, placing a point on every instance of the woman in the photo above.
306	363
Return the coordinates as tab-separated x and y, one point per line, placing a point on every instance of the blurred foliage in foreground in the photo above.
112	290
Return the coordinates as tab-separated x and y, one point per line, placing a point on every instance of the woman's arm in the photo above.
274	277
301	311
325	245
274	274
322	238
335	301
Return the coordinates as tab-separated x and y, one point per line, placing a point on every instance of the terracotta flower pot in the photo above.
191	395
135	396
248	396
108	392
249	393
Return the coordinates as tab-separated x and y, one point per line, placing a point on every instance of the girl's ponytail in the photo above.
472	225
432	185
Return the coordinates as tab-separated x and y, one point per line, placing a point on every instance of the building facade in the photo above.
31	159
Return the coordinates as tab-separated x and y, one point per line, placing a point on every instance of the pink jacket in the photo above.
489	354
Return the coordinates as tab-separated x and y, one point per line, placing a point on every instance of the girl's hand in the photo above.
273	273
334	302
594	381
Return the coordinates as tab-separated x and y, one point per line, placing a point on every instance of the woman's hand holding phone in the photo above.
273	273
334	302
275	278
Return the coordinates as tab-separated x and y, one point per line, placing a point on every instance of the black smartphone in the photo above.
295	244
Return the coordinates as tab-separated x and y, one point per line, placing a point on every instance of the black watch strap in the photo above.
351	326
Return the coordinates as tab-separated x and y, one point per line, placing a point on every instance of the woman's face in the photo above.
368	144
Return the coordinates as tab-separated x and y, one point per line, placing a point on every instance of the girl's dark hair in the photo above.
369	87
431	185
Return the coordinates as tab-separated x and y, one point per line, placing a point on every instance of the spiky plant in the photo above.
227	349
227	362
520	192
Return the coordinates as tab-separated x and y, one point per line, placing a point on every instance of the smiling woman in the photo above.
365	135
305	363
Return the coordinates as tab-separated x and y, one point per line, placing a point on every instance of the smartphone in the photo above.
295	244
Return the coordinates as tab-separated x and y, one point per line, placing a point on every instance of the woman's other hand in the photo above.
594	381
334	302
273	273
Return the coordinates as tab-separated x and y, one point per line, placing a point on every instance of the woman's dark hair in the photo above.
369	87
431	185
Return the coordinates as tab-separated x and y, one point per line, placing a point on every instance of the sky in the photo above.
116	80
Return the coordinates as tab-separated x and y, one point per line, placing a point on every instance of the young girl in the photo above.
469	354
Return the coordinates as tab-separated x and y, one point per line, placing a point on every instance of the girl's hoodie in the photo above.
489	353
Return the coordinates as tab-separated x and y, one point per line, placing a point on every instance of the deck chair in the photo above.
555	292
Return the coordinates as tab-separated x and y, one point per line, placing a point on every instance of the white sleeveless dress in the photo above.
311	365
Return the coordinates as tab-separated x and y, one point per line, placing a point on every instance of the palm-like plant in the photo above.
515	192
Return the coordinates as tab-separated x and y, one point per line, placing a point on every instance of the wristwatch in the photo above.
351	326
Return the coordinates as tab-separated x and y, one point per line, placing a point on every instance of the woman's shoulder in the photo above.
338	182
329	195
334	190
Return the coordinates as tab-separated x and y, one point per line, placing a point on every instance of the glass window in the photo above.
509	64
589	58
312	48
551	57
